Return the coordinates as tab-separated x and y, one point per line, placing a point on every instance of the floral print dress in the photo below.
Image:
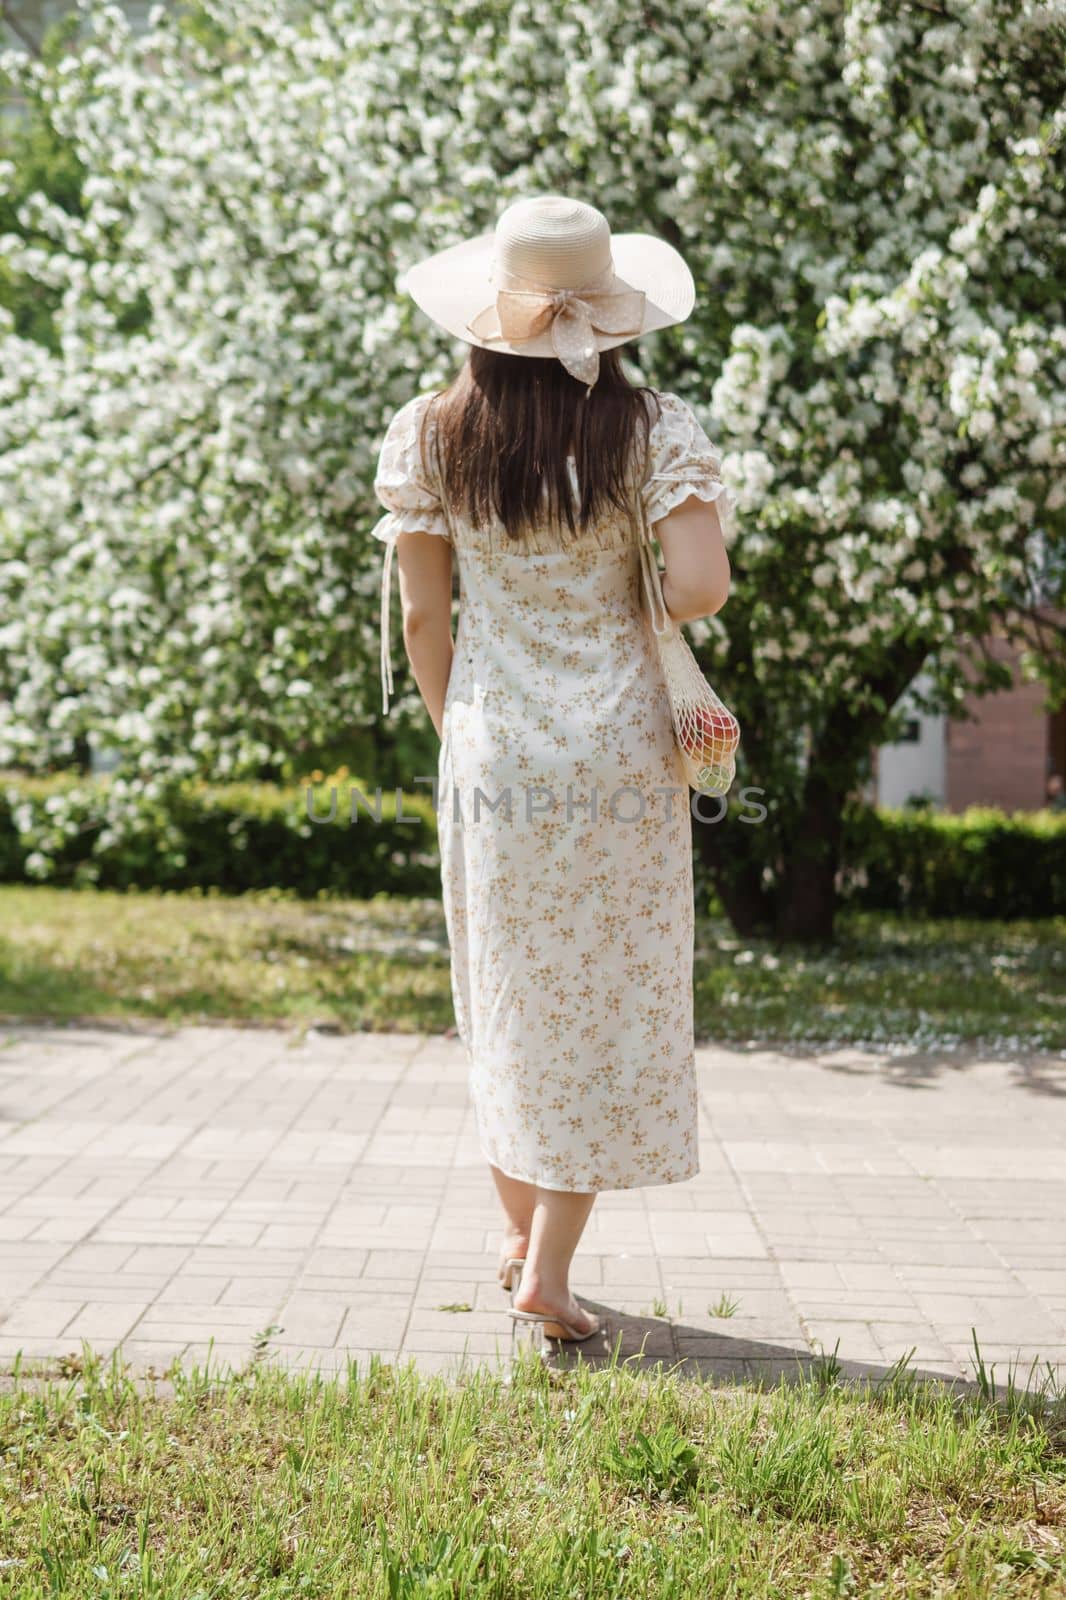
564	827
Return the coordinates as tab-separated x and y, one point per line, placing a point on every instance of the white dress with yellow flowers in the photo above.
565	831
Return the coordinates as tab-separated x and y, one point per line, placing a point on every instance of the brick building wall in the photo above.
1001	757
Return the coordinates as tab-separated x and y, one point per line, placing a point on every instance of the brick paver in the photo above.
181	1194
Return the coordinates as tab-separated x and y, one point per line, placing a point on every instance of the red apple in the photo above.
711	732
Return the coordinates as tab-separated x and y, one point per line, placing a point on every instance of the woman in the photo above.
565	839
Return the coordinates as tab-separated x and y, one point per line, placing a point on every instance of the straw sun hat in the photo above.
552	280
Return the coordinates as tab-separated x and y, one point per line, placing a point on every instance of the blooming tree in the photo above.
870	196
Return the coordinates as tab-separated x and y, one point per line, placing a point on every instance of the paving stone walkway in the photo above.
162	1190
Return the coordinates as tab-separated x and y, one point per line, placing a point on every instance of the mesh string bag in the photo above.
706	730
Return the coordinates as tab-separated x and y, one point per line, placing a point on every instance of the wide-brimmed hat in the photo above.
552	280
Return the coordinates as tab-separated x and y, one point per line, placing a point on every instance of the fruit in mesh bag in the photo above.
714	779
709	733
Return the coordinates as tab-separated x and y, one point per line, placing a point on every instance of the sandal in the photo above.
568	1335
511	1271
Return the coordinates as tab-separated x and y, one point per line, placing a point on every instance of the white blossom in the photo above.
867	196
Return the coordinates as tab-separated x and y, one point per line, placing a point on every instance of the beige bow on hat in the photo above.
573	317
552	280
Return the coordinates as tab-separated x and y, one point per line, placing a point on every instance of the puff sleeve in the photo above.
401	482
683	462
403	486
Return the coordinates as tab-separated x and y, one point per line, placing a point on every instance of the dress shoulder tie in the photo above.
386	612
389	532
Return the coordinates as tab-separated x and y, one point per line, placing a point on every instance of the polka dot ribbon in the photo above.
574	317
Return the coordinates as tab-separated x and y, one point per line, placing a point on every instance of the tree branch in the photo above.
936	11
32	45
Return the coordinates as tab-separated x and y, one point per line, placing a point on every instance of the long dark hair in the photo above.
505	427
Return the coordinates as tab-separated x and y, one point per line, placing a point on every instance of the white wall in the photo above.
918	766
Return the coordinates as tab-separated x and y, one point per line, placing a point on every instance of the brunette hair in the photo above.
505	427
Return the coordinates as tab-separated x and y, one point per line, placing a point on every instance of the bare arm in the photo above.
426	599
696	580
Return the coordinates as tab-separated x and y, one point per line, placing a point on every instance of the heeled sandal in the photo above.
511	1272
569	1335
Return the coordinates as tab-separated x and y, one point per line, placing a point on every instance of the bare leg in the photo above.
517	1199
559	1220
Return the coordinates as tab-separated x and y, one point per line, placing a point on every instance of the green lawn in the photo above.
269	958
603	1484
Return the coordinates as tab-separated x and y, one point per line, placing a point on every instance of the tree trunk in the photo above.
83	755
807	894
806	902
738	884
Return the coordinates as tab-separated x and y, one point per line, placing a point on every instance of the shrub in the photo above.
231	837
240	836
976	863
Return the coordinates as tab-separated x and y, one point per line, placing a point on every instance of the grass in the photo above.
383	964
258	1484
253	959
888	980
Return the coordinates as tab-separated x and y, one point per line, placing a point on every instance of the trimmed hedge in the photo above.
234	837
976	863
230	837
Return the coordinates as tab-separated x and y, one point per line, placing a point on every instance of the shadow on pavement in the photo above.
648	1343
